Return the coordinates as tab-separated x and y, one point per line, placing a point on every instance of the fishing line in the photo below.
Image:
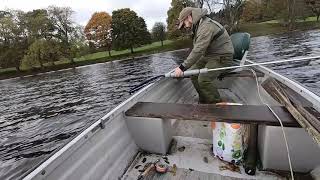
264	63
282	128
144	83
205	70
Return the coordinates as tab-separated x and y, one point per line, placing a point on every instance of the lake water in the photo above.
41	113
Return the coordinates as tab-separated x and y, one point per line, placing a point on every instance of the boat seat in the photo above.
208	112
241	44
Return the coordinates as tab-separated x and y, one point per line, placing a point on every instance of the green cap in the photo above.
183	15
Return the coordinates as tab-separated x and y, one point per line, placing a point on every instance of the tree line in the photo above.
286	11
228	15
231	13
42	37
38	37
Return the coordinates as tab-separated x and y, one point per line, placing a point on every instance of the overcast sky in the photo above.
151	10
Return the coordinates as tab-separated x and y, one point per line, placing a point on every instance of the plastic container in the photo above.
229	140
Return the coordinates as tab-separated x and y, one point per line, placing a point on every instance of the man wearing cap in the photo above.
212	48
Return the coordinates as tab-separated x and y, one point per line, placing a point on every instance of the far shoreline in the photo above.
66	68
255	29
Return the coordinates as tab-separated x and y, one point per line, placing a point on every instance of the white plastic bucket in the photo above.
229	140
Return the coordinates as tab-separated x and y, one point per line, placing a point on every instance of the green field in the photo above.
274	27
104	56
308	19
7	70
127	51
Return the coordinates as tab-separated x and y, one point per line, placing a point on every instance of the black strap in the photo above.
222	29
218	34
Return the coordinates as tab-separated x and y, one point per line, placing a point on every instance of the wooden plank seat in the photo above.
208	112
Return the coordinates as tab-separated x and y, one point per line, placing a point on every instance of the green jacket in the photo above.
204	30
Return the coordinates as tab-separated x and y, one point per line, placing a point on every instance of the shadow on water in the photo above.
41	113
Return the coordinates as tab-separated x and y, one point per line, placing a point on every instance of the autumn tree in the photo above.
286	11
232	12
314	5
13	39
4	14
49	31
143	35
173	14
98	31
38	24
79	46
128	30
209	4
61	17
42	51
252	11
159	32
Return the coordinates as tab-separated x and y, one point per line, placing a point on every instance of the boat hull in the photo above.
107	148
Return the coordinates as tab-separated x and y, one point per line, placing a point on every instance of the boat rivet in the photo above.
43	172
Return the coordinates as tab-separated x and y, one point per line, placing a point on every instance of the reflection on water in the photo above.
41	113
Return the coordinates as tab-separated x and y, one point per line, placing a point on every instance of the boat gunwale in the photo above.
83	137
295	86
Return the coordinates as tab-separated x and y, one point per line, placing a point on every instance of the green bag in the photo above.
241	43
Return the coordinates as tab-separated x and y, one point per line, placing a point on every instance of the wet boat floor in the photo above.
190	158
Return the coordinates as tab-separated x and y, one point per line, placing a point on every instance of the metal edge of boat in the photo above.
298	88
313	100
78	140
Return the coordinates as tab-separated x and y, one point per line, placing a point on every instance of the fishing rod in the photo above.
144	83
189	73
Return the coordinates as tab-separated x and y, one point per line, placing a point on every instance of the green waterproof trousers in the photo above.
204	83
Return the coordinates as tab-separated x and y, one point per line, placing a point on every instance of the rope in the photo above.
136	88
284	135
264	63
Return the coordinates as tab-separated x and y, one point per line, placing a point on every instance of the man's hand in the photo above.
178	72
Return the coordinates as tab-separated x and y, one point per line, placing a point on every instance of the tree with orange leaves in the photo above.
98	31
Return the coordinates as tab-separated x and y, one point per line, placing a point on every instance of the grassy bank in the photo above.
98	57
274	27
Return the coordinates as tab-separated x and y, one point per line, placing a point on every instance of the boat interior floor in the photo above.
190	155
190	158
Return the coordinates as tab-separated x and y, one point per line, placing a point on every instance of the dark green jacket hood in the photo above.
197	14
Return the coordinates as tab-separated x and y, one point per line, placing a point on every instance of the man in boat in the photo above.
212	48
